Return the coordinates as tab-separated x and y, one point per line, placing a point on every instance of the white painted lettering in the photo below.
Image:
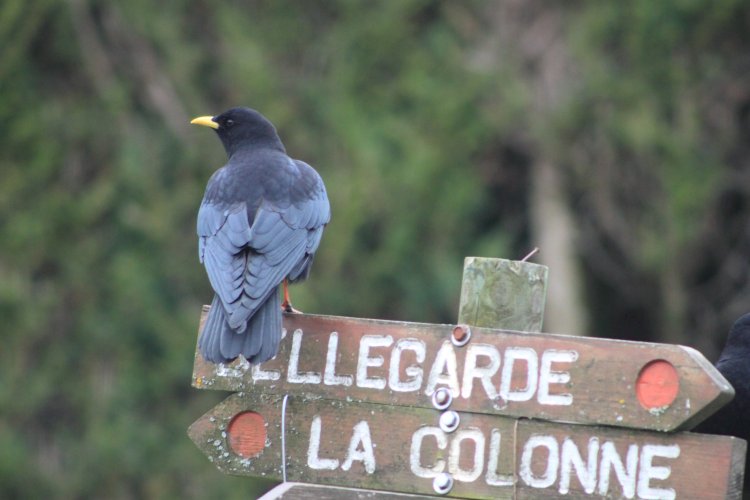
259	374
493	478
625	473
366	455
585	471
414	372
635	473
454	455
549	476
444	371
415	453
329	375
513	354
483	373
547	377
313	459
648	471
365	361
293	375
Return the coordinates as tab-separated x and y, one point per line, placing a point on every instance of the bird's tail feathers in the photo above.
258	342
265	325
210	337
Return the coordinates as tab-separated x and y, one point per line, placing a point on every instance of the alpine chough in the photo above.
259	225
733	419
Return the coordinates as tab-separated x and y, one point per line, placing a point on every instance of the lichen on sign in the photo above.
499	293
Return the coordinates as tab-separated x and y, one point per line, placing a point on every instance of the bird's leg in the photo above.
286	306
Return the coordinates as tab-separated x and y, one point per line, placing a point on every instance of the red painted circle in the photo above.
247	434
459	332
657	385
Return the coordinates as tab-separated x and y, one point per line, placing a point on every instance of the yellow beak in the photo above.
206	121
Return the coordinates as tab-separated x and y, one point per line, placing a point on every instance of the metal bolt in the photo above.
442	398
449	421
442	483
461	335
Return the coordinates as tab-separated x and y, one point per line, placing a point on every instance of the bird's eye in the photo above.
229	122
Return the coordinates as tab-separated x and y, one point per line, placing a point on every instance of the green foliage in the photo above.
652	135
423	134
101	286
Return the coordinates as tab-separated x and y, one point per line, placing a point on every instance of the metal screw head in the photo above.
442	398
442	483
461	335
449	421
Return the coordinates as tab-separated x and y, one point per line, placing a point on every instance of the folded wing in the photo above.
247	256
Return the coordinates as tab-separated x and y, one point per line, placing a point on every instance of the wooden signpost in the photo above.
404	449
471	411
551	377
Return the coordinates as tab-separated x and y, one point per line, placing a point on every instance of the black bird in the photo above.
259	225
733	419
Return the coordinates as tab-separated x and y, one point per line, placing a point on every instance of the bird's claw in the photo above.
287	308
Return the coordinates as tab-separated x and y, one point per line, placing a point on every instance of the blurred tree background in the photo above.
614	135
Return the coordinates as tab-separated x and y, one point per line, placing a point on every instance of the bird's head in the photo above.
240	128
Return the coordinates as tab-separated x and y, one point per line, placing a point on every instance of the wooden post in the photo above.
505	294
495	293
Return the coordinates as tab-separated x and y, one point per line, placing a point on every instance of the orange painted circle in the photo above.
657	385
247	434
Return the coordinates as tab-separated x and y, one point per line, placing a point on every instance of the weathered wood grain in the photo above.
401	449
696	466
499	293
301	491
551	377
496	293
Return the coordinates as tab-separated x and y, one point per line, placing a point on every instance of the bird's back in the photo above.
249	179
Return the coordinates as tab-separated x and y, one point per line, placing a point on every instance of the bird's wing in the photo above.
310	208
224	234
246	262
313	214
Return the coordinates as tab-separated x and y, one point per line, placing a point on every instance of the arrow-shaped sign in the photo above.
551	377
416	450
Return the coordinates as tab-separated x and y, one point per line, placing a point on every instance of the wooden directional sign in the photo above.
550	377
404	449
